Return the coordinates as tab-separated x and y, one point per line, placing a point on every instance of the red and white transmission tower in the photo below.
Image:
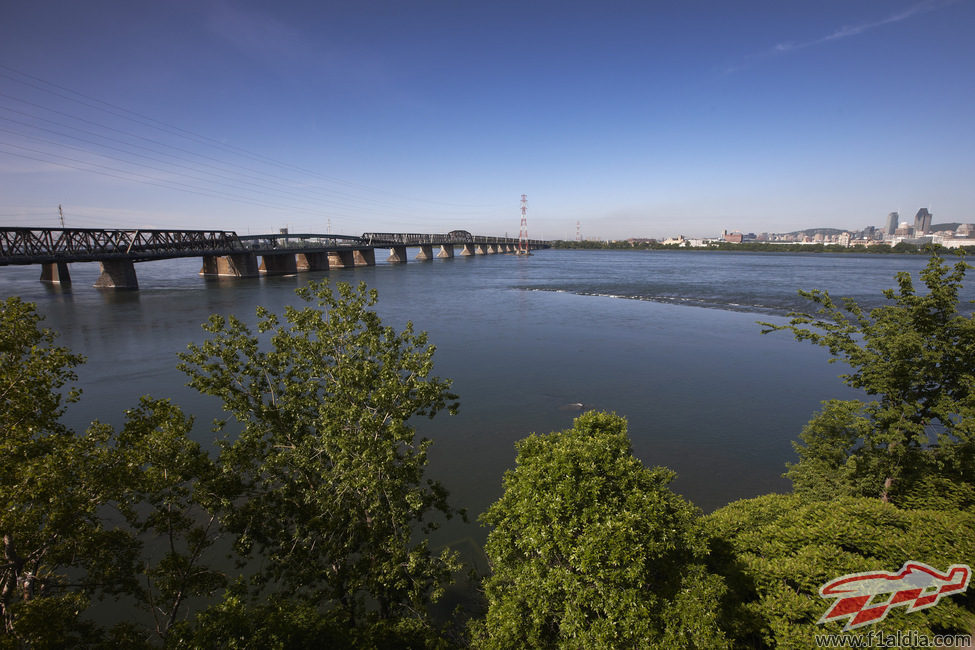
523	233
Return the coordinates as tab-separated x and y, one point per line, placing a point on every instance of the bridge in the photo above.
225	253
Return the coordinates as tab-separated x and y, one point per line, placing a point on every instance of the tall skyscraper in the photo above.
922	221
892	220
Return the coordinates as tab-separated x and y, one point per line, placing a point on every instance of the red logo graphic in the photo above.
916	586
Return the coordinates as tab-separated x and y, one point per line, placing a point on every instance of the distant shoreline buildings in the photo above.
891	233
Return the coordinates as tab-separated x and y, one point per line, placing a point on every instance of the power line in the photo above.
151	122
114	173
337	199
180	171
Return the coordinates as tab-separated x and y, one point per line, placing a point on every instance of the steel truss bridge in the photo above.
224	253
46	245
454	237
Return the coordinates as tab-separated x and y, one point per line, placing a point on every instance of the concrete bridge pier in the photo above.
494	249
365	257
340	260
397	255
278	264
55	273
481	249
446	251
426	252
117	274
311	262
239	265
468	250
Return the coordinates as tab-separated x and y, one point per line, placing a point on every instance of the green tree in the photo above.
284	623
322	459
101	513
171	499
913	443
590	549
57	551
776	551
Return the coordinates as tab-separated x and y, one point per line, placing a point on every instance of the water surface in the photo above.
668	339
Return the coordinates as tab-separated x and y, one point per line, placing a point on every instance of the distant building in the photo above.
892	221
904	230
732	237
965	230
922	221
953	242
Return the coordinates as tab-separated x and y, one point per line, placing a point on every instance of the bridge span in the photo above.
225	253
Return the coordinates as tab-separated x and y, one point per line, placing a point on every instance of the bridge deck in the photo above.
51	245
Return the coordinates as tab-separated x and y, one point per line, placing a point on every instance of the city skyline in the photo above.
635	119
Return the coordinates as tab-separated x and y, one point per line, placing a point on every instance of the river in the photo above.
668	339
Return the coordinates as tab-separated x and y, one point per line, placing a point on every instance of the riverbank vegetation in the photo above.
317	493
317	490
902	248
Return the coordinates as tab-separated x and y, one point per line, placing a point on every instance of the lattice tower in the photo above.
523	232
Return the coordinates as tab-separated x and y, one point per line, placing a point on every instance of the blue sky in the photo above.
642	119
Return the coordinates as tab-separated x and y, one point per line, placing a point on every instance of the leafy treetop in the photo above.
590	549
324	465
916	357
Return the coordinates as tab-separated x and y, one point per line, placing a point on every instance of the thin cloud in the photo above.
259	35
846	31
293	50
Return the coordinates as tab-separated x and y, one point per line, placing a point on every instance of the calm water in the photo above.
668	339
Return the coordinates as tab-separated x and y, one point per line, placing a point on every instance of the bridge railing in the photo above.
298	240
532	243
480	239
456	238
410	238
32	245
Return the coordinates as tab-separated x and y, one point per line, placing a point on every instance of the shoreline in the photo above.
881	249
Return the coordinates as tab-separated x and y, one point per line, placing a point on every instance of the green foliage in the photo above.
292	624
33	372
320	484
65	500
53	484
603	245
325	480
284	624
590	549
913	443
776	551
171	502
324	467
